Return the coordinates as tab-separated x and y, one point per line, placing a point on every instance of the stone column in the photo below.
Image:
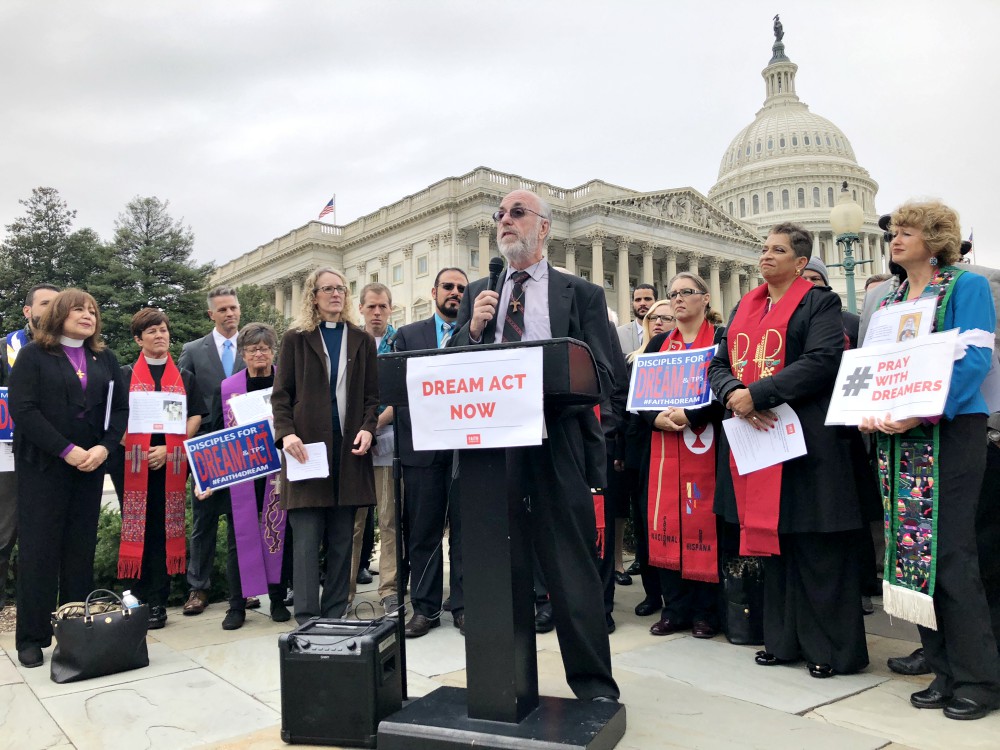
383	271
733	294
624	294
484	228
279	297
714	264
816	251
447	256
405	300
570	256
868	253
647	262
671	268
297	280
433	257
596	237
693	259
747	279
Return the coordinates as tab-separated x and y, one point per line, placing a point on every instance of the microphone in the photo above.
496	266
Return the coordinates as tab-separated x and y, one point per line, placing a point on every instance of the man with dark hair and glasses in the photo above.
537	302
428	477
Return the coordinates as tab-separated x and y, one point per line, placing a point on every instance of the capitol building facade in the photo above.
787	165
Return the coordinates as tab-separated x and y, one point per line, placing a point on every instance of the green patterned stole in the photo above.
908	478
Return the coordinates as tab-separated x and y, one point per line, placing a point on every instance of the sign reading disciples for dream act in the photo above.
664	379
233	455
908	379
488	399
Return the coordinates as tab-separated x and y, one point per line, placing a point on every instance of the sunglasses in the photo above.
684	293
448	286
517	212
660	318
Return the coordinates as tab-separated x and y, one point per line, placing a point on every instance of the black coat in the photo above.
818	493
46	399
410	338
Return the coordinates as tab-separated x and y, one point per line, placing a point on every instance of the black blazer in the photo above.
578	310
410	338
46	399
201	358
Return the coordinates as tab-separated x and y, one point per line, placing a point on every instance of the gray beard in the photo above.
517	253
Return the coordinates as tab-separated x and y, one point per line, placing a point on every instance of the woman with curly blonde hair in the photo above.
325	391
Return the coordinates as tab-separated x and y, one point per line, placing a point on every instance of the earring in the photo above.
798	272
934	260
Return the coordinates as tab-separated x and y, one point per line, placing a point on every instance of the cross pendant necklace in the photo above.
79	373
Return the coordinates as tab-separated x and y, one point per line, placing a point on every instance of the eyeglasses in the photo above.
517	212
684	293
256	351
660	318
448	286
341	290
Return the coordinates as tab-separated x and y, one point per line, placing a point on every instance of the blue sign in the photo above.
664	379
233	455
6	423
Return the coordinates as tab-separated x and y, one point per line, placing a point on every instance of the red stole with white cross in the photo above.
137	483
681	490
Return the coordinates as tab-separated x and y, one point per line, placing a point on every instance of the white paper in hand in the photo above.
757	449
315	467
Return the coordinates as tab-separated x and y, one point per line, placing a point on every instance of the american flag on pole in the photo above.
330	208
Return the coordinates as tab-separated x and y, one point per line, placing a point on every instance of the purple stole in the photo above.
259	542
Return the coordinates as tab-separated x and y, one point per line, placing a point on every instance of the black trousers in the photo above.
988	535
428	501
153	587
58	508
563	532
812	601
962	652
685	601
633	484
8	524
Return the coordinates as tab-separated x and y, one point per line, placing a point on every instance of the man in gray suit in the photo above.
212	359
630	334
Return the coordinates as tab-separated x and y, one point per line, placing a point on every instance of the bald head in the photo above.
523	228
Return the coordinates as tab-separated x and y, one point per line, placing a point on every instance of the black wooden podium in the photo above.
500	708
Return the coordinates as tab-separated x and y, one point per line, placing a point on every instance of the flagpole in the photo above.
334	208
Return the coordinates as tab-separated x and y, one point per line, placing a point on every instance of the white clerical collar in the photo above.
72	343
155	360
332	323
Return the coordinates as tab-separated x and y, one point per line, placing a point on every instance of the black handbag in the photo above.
744	592
97	637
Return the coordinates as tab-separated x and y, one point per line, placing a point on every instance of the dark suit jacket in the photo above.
410	338
578	310
301	405
46	398
816	492
201	358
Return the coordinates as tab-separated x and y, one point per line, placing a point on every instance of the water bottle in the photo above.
129	601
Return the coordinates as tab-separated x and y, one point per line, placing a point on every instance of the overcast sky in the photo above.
248	116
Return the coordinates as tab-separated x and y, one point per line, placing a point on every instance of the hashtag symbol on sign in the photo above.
857	382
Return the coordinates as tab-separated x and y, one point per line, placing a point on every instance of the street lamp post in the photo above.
847	218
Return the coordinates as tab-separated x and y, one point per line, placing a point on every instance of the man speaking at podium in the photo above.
536	302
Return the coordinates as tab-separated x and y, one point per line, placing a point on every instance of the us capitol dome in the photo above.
789	164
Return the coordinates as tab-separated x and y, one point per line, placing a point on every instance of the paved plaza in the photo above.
208	687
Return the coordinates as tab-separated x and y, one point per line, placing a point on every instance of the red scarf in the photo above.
682	465
757	339
137	483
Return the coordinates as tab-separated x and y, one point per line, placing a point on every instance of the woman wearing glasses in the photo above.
257	519
633	449
783	346
680	477
325	391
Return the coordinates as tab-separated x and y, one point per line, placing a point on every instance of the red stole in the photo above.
599	503
757	339
681	490
137	483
